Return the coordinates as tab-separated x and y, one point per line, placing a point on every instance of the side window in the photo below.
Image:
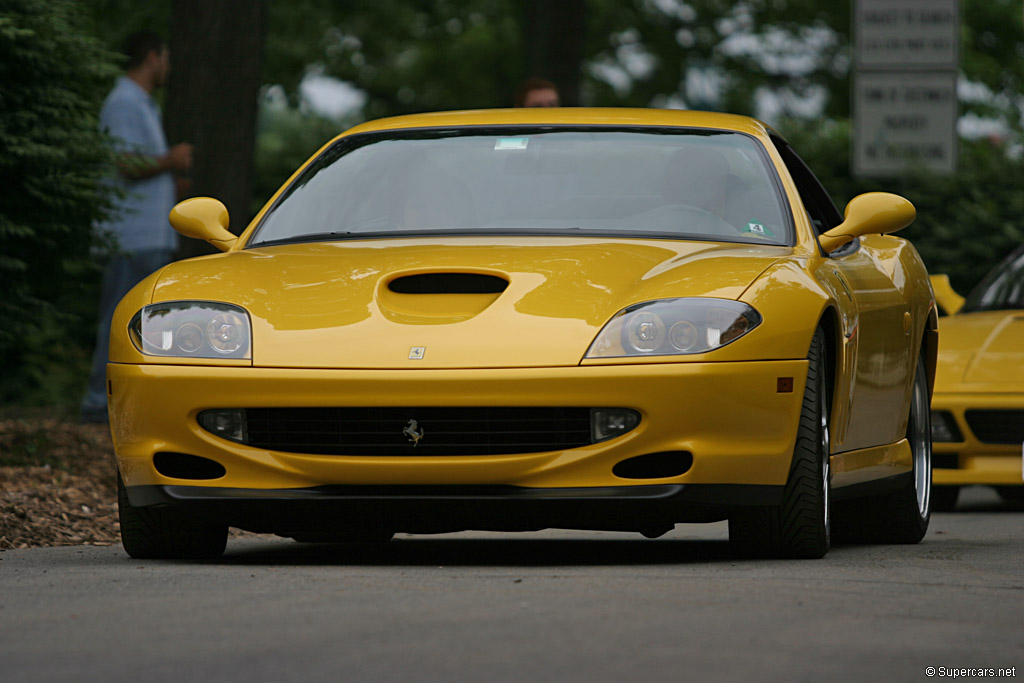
823	212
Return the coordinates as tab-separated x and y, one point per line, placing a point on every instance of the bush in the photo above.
52	167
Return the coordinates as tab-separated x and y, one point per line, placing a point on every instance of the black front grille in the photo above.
443	431
997	426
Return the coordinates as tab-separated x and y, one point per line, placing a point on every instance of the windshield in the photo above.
680	183
1002	289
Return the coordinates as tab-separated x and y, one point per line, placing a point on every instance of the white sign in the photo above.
906	34
904	120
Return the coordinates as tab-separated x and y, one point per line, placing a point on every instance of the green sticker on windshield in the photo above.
757	229
511	143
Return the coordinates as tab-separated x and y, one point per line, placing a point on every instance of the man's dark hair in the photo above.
138	46
529	85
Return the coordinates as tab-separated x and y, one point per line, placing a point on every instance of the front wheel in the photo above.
159	533
801	526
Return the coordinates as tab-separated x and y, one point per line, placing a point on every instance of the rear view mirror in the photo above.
203	218
872	213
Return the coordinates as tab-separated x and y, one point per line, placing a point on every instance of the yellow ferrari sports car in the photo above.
512	320
978	404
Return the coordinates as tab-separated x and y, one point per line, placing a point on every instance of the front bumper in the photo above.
732	418
971	460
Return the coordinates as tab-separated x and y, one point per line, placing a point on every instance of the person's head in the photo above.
537	92
148	56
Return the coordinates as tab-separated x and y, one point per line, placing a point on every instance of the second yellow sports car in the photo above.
519	319
978	406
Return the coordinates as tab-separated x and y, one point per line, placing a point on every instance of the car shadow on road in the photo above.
988	499
681	547
476	552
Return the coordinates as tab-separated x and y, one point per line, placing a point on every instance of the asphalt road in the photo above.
551	606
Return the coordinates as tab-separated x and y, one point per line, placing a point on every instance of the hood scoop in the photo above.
448	283
438	298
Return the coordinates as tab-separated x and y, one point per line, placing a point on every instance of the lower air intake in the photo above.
997	426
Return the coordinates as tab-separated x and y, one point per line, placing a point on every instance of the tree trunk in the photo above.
213	96
554	43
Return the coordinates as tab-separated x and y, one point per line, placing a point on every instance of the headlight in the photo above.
192	329
674	327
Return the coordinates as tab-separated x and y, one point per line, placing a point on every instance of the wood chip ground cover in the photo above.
57	484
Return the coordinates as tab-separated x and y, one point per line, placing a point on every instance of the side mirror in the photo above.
203	218
947	298
873	213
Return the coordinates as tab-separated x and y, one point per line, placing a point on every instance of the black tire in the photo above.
801	526
160	533
944	498
903	515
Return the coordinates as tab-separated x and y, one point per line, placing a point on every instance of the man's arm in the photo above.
143	166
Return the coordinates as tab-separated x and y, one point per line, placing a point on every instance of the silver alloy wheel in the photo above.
919	434
826	456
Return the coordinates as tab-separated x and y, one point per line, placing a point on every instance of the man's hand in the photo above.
179	158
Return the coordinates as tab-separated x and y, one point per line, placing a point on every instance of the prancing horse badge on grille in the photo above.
413	431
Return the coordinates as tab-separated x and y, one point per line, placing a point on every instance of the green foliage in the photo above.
131	16
407	57
442	54
966	222
992	54
286	137
969	221
52	169
790	48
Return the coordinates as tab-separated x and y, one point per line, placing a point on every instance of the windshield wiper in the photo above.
312	237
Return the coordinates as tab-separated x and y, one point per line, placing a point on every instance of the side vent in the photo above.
448	283
654	465
185	466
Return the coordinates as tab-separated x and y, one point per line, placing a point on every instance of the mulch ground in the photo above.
57	484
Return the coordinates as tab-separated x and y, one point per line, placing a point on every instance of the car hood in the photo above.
334	305
984	348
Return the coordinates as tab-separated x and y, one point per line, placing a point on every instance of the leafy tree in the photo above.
286	137
212	97
52	169
409	57
966	222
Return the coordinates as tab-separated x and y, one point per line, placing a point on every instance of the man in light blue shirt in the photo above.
146	169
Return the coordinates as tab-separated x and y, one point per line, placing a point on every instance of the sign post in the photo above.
904	88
